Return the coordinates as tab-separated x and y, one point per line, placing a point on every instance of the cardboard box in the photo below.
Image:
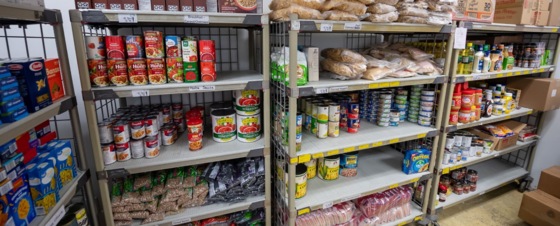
186	5
212	6
501	143
145	5
172	5
521	15
83	4
199	5
130	4
535	5
540	208
54	76
538	93
541	18
115	4
234	6
554	17
516	95
20	200
99	4
158	5
312	56
550	181
475	10
41	178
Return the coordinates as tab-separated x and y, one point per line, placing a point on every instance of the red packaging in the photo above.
158	5
153	41
98	73
115	47
99	4
175	72
207	50
54	76
199	6
122	146
186	5
115	4
43	129
47	138
137	71
134	46
29	155
172	5
208	71
195	141
118	73
156	71
83	4
130	4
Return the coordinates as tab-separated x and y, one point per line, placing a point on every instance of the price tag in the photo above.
340	88
303	211
327	205
334	152
414	180
349	149
393	141
394	186
318	155
508	117
401	224
196	19
530	112
500	75
140	93
394	83
526	72
377	144
363	146
383	85
353	26
555	30
295	25
326	27
201	88
351	197
128	18
304	158
541	70
518	73
460	38
186	220
56	217
534	71
458	166
509	74
293	160
421	135
445	171
373	85
418	219
321	90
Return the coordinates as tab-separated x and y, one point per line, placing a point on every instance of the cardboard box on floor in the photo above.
537	93
550	181
475	10
540	208
501	143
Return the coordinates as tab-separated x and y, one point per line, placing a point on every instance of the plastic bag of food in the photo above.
353	7
345	69
166	206
174	178
427	67
405	11
506	130
152	206
302	12
122	216
436	20
129	194
397	46
388	2
383	53
116	193
135	207
447	2
381	45
158	182
139	214
412	19
383	18
434	6
380	8
190	177
282	4
377	73
339	15
146	193
329	4
123	223
418	5
119	209
403	62
153	217
373	63
402	74
444	14
186	197
343	55
215	221
142	180
180	210
326	74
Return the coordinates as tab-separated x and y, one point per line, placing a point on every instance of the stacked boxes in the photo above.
33	85
16	202
12	106
42	180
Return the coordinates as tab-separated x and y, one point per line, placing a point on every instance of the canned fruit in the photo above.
117	70
247	102
156	71
223	125
190	49
134	46
191	71
153	41
334	129
195	141
207	50
115	47
175	70
249	128
95	47
173	46
137	71
98	73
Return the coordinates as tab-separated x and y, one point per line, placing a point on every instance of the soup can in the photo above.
175	70
322	130
109	155
314	106
349	164
151	125
115	47
207	50
195	141
208	71
121	133
334	112
117	72
177	109
223	125
79	211
123	152
98	73
353	125
248	128
137	71
166	115
95	47
134	46
180	124
156	71
329	167
343	122
137	149
334	129
301	180
173	46
105	132
322	113
247	102
153	41
190	49
311	168
151	147
137	128
354	108
167	135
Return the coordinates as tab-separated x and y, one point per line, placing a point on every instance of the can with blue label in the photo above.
173	46
349	164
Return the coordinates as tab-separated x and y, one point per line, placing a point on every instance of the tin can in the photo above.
343	122
180	123
446	157
68	220
247	102
80	213
121	133
248	128
151	147
334	129
137	71
220	106
354	97
109	155
322	130
173	46
167	135
208	71
123	152
175	72
151	125
207	50
95	47
349	164
190	49
118	72
115	47
322	113
329	167
223	125
98	73
313	125
137	128
195	141
200	110
177	109
166	115
194	126
314	107
311	168
137	148
354	108
153	41
353	125
156	71
105	132
307	124
191	71
299	138
334	112
301	180
134	46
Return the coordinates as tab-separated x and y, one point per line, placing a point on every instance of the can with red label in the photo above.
109	156
151	125
195	141
175	70
118	72
123	152
167	135
180	123
207	50
115	47
137	71
353	125
173	46
121	133
137	128
156	71
177	110
134	46
137	149
166	112
208	71
153	41
98	73
151	147
95	47
105	132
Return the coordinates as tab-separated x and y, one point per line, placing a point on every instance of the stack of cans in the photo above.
401	103
368	105
384	105
427	99
414	103
334	119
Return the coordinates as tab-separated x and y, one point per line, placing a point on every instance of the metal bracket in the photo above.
265	85
306	91
439	209
50	16
433	217
440	80
66	105
252	19
426	177
432	133
254	85
256	153
446	29
458	79
307	26
293	92
94	17
116	173
449	129
104	94
84	179
256	205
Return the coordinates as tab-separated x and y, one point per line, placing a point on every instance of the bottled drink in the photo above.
467	58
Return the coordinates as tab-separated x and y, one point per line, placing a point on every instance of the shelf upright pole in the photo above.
293	40
265	34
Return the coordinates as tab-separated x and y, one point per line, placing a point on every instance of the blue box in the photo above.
14	115
42	181
13	162
20	202
51	156
5	72
8	82
33	83
16	172
7	149
8	94
416	161
11	105
65	162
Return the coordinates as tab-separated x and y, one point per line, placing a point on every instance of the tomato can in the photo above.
194	126
151	125
137	148
123	152
105	132
95	47
137	71
247	102
334	129
151	147
156	71
109	156
137	128
167	135
175	72
121	133
118	72
115	47
191	71
223	125
173	46
177	110
98	73
208	71
190	49
248	128
195	141
134	46
207	50
166	111
153	41
180	123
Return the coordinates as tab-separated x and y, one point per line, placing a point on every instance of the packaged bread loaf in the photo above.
402	74
353	7
412	19
343	55
302	12
434	6
406	11
380	8
377	73
329	4
383	18
339	15
344	69
418	4
282	4
388	2
373	63
436	20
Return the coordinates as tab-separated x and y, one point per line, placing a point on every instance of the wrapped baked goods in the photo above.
434	6
443	14
344	69
377	73
418	4
282	4
447	2
427	67
329	4
397	46
343	55
302	12
383	18
412	19
339	15
402	74
373	63
418	54
330	75
388	2
437	20
402	61
380	8
406	11
367	2
382	53
353	7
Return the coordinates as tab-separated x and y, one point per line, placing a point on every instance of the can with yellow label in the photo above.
329	167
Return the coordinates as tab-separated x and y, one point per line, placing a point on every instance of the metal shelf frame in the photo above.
101	102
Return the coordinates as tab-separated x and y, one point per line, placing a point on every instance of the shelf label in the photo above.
377	144
196	19
327	205
418	219
541	70
326	27
56	217
318	155
555	30
351	197
353	26
295	26
349	149
509	74
458	166
414	180
394	83
373	85
340	88
453	168
363	146
482	193
518	73
526	72
140	93
508	117
421	135
500	75
401	224
383	85
128	18
530	112
534	71
445	171
201	88
333	152
393	186
293	160
303	211
184	221
304	158
460	38
393	141
321	90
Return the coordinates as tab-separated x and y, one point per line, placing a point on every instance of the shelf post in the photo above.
265	34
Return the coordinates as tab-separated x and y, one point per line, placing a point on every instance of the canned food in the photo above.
428	93
134	46
109	156
137	128
191	71
166	115
156	71
334	129
123	152
349	164
98	73
329	167
353	116
151	125
314	106
427	98
394	122
353	125
137	149
223	125
354	108
195	141
311	168
115	47
180	123
175	72
425	113
190	49
427	103
308	106
301	180
173	46
80	213
322	113
208	71
314	125
105	132
247	102
95	47
121	133
249	128
382	124
353	97
207	50
343	122
322	130
153	40
167	135
137	71
307	123
151	147
299	137
117	70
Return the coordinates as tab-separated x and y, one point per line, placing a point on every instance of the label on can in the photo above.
248	128
95	47
191	71
154	44
105	132
247	102
175	70
328	168
208	71
98	73
120	133
156	71
343	122
151	147
334	129
207	50
123	152
311	168
180	123
118	72
137	71
223	128
151	126
322	130
137	129
334	112
301	185
167	135
109	156
137	148
190	50
307	124
177	111
313	125
115	47
135	46
195	141
166	116
323	113
349	165
173	46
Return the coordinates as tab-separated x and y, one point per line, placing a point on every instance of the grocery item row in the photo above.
151	196
459	181
254	217
222	6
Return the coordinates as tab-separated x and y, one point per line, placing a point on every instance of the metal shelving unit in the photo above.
242	62
36	28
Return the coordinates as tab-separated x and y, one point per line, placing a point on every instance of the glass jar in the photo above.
466	187
456	174
479	150
472	176
458	188
442	191
446	181
473	186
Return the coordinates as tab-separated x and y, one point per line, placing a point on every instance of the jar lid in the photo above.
442	187
465	109
457	94
468	92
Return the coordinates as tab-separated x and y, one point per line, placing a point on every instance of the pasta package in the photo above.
282	4
302	12
42	182
377	73
345	69
339	15
353	7
383	18
405	11
343	55
65	163
380	8
20	202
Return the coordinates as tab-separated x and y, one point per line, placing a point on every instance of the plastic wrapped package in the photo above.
418	54
403	62
225	176
135	207
377	73
142	180
248	172
344	69
116	193
397	46
383	53
343	55
129	194
330	75
367	2
447	2
444	14
140	214
186	198
119	209
329	4
388	2
158	182
434	6
283	63
412	19
427	67
380	8
383	18
407	11
418	5
167	206
353	7
374	62
180	210
122	216
339	15
146	193
153	217
402	74
302	12
260	168
216	221
282	4
436	20
361	220
123	223
175	178
152	206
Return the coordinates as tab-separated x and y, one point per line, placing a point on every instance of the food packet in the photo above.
448	2
405	11
282	4
158	182
186	197
344	69
388	2
377	73
383	18
383	53
402	74
443	14
351	6
339	15
302	12
122	216
152	206
166	206
403	62
434	6
436	20
225	176
418	4
412	19
380	8
329	4
374	62
174	178
397	46
418	54
190	177
326	74
140	214
343	55
426	67
381	45
116	193
119	209
153	217
135	207
129	194
123	223
142	180
506	130
146	194
180	210
215	221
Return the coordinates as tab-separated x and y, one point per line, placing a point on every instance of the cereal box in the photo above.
5	218
43	186
416	161
65	162
54	76
51	156
20	203
33	83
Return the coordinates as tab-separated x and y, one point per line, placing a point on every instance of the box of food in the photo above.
43	186
43	129
501	143
540	208
14	116
516	95
17	171
199	5
8	82
240	6
20	202
554	18
9	94
144	5
51	156
186	5
549	181
5	215
56	87
521	15
99	4
33	83
11	105
536	5
312	55
158	5
212	6
130	4
13	163
538	93
416	161
115	4
83	4
65	162
172	5
7	149
475	10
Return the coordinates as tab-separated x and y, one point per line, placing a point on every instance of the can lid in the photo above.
221	105
195	113
193	122
301	169
352	153
223	112
333	157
